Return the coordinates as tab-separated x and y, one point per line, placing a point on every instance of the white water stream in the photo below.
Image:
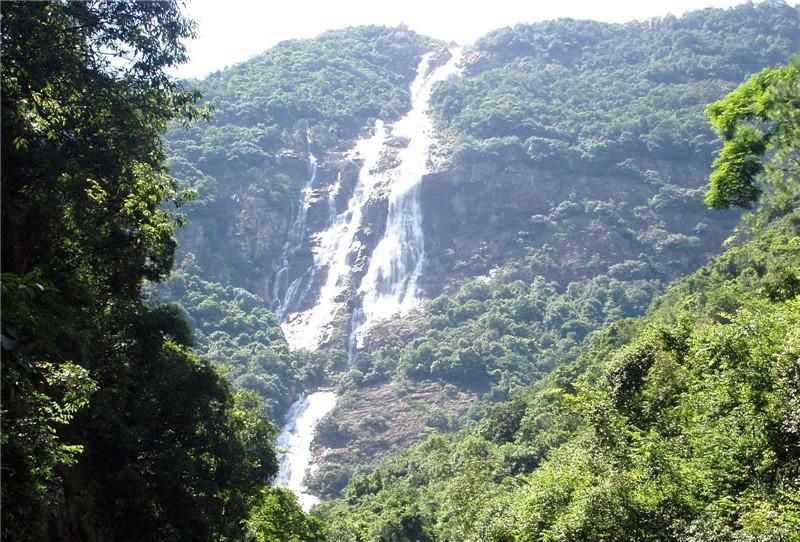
309	328
294	441
285	296
389	284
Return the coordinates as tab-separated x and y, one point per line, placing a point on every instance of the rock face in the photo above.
479	215
253	230
382	418
475	216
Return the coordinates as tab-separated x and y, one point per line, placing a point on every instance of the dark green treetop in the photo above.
759	123
112	429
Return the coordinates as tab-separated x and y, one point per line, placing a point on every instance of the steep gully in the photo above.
387	288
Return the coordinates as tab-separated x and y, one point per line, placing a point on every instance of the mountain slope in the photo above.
678	426
681	425
568	167
534	253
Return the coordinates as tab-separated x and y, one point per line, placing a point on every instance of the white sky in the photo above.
231	31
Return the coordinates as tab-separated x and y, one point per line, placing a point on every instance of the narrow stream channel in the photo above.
295	439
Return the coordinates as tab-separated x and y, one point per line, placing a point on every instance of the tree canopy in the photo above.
758	122
112	428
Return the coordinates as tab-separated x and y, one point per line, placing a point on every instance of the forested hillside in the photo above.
567	193
564	245
608	117
678	426
597	326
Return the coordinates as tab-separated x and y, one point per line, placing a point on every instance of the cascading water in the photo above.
285	296
295	441
304	330
307	329
389	284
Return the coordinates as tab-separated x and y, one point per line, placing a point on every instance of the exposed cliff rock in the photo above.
479	215
367	425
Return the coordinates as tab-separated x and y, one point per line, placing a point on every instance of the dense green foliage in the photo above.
679	426
499	334
583	94
335	82
112	428
235	331
276	517
761	116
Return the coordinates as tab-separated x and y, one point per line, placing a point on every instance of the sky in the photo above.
231	31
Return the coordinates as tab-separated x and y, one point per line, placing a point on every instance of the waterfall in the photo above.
294	441
285	296
389	275
390	285
308	329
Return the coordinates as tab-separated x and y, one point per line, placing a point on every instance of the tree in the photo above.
85	97
112	428
276	517
758	122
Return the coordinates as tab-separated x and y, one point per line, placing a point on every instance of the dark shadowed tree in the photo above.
112	428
